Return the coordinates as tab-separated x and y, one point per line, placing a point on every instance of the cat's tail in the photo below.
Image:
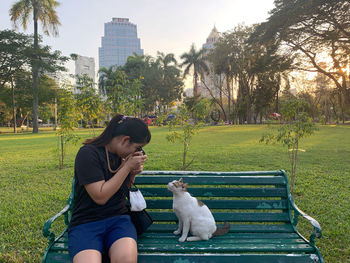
222	230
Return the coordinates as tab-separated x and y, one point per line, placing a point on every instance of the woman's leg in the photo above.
123	250
88	256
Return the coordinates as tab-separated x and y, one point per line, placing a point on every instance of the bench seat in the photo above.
258	206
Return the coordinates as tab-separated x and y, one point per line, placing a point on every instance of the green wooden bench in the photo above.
258	205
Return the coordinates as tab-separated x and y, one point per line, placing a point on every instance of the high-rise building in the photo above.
118	43
211	80
85	66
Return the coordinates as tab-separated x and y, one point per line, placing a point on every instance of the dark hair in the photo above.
135	128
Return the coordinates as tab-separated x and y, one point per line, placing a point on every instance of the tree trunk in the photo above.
55	124
277	102
35	73
229	97
13	106
62	152
195	86
184	157
294	165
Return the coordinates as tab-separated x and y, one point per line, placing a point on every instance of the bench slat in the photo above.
60	247
224	204
225	248
57	257
224	258
211	173
235	228
231	217
219	192
230	236
215	241
209	180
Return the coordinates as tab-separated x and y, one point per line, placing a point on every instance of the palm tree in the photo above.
196	60
165	60
43	10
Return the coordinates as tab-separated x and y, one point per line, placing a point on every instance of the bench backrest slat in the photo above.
224	204
254	197
219	192
217	180
231	217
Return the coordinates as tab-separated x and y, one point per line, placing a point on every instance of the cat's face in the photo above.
177	186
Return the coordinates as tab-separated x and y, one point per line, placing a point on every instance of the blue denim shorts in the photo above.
100	235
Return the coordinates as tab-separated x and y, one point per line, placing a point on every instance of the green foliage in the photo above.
200	108
182	130
296	126
160	80
68	115
88	101
197	61
313	30
14	53
123	94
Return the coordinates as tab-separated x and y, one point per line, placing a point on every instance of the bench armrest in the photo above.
317	227
47	226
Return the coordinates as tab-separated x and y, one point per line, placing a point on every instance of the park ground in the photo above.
34	189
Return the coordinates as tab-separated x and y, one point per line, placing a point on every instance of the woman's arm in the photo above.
102	191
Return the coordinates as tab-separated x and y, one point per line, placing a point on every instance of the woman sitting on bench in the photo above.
104	169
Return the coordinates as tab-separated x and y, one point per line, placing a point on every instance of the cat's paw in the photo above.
182	239
177	232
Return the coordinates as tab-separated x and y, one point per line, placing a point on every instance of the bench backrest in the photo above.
258	197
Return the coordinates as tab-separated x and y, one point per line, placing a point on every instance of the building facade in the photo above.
211	80
85	66
118	43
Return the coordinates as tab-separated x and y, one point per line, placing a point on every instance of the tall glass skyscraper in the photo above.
119	41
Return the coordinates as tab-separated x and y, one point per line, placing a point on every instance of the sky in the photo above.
169	26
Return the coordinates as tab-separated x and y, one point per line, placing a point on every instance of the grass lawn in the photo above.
34	189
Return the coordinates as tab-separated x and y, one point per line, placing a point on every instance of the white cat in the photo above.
193	215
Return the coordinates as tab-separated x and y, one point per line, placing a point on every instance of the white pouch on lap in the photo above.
137	202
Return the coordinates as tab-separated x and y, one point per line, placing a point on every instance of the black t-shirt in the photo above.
90	167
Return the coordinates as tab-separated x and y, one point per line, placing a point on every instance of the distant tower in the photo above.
210	79
118	43
212	38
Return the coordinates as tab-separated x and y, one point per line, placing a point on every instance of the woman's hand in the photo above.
134	162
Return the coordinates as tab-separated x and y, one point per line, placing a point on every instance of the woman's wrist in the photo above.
125	168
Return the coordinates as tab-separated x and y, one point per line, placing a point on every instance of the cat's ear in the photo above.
184	186
180	180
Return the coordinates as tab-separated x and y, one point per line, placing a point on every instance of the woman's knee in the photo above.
123	250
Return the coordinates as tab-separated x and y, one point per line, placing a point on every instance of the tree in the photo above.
217	83
14	54
144	69
232	56
68	116
13	51
295	127
112	84
183	129
43	10
194	59
160	81
171	86
315	30
270	68
88	100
